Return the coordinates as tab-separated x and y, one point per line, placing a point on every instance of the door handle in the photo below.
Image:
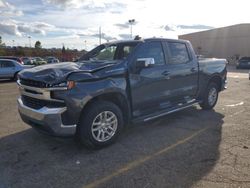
165	73
193	69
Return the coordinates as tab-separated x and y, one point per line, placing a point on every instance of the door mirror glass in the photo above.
145	62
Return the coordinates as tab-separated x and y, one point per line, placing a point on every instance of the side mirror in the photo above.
144	62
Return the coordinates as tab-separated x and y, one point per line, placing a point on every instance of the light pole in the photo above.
85	44
29	41
131	22
100	35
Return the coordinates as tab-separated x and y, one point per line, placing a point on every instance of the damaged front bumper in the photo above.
46	118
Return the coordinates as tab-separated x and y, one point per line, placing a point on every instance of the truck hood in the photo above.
56	73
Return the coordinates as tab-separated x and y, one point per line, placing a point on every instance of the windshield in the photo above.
38	59
110	52
245	59
107	53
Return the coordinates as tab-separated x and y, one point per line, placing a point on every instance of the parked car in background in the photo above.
9	68
27	60
38	61
52	60
18	59
243	63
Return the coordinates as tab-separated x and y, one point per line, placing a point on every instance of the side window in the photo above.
152	50
178	53
126	51
7	64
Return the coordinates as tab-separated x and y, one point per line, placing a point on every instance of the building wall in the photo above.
224	42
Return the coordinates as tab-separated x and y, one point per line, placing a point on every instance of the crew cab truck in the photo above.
117	83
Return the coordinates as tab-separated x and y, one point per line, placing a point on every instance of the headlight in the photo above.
63	84
68	84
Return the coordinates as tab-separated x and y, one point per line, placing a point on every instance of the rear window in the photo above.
178	53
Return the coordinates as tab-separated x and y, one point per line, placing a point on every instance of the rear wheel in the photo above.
100	124
210	96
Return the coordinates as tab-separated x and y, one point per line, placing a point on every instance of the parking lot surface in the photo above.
191	148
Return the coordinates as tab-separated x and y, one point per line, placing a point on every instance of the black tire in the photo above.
84	131
208	104
15	77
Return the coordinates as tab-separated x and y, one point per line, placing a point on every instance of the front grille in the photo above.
34	83
38	103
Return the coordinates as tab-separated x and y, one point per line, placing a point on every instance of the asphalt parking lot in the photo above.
191	148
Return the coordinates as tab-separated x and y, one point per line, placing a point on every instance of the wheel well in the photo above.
115	98
15	74
217	80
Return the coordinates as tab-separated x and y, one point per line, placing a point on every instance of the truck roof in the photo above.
147	39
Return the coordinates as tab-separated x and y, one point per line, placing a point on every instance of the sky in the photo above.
76	23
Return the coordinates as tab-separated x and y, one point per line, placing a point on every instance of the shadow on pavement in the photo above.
29	159
6	81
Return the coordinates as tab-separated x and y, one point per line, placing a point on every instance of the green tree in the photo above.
38	45
63	49
20	51
2	49
1	42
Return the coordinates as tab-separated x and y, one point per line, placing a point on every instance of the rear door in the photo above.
183	72
7	69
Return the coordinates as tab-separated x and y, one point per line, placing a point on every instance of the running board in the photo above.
171	111
165	112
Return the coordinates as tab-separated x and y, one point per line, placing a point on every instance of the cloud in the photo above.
8	10
25	28
104	36
90	6
122	26
199	27
108	37
125	25
43	25
9	29
15	28
125	36
169	28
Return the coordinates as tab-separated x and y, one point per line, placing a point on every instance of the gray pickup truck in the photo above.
115	84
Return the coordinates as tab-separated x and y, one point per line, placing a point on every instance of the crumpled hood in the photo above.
56	73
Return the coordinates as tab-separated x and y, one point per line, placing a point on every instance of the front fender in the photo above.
77	98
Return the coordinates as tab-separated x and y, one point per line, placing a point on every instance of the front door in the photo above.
148	85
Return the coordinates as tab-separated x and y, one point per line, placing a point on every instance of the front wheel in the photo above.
100	124
210	97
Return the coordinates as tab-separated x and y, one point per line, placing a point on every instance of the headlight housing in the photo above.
68	84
